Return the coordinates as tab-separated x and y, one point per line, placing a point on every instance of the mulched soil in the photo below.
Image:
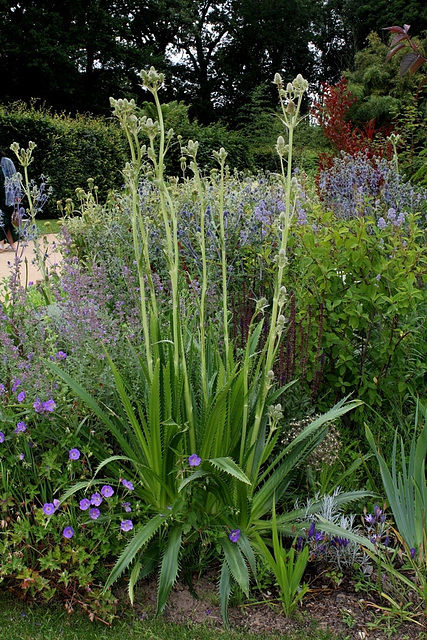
348	614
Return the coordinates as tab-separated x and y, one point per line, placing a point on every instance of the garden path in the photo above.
29	271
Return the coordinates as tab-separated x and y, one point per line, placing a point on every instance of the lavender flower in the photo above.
126	525
234	535
74	454
84	504
68	532
94	513
194	460
107	491
48	508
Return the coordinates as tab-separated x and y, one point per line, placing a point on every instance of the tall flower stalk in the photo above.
35	199
290	102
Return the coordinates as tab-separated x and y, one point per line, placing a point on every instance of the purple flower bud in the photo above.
194	460
412	553
311	530
234	535
370	519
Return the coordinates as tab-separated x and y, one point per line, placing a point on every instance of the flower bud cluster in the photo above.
152	80
293	90
24	155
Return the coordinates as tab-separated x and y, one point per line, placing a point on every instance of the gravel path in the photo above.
29	271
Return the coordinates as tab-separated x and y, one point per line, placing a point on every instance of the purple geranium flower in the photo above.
107	491
21	396
68	532
94	514
60	355
20	427
38	406
126	525
96	499
44	407
128	484
56	503
84	504
74	454
234	535
49	405
126	506
1	436
48	508
194	460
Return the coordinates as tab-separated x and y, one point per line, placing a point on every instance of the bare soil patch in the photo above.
350	615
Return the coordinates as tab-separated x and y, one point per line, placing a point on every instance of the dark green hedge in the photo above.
69	150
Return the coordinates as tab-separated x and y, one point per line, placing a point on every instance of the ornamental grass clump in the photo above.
199	435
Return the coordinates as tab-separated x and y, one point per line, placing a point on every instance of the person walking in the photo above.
10	196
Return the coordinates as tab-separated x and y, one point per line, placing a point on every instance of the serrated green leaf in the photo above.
139	540
229	466
169	567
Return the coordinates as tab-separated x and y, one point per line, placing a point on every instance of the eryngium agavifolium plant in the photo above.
199	438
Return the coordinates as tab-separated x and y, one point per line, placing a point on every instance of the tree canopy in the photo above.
73	54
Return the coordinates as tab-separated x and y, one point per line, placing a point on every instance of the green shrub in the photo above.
69	150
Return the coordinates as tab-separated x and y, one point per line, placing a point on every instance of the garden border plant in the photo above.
199	439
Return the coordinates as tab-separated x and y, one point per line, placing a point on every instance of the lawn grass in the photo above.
24	621
48	226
